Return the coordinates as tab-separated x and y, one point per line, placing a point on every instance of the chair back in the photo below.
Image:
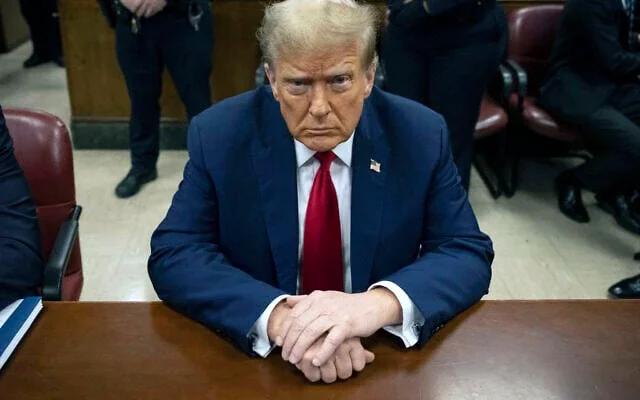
532	33
43	150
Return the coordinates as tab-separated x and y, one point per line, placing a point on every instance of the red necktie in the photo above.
322	247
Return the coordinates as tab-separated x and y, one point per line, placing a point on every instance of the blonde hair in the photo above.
300	27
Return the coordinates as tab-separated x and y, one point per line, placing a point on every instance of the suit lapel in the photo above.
275	167
369	147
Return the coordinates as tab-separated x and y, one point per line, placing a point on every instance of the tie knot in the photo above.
325	158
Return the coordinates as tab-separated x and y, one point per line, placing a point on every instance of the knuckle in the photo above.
335	341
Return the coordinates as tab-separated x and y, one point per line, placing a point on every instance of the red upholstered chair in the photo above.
43	150
492	124
489	157
532	32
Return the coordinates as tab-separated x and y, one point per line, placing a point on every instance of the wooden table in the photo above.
497	350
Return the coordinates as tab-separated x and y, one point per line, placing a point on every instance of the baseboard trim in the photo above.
114	135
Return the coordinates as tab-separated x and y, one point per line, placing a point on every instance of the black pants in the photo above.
612	133
447	70
42	19
166	39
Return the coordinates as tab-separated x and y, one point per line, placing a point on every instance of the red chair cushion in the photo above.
539	121
492	119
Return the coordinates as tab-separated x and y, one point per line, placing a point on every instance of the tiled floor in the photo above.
539	253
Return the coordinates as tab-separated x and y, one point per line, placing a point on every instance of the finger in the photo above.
142	9
369	356
343	363
312	373
295	313
328	372
150	11
358	358
335	338
309	336
299	320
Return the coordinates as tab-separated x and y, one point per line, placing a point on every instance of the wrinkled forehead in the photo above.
347	55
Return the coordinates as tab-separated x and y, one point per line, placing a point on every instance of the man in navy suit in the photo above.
320	210
21	266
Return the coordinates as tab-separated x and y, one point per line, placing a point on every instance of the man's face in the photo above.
321	96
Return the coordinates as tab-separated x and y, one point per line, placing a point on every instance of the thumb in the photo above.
369	356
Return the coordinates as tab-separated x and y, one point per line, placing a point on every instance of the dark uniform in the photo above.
592	84
42	19
179	37
444	60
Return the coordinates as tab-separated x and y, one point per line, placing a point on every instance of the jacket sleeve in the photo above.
596	20
453	270
189	270
21	266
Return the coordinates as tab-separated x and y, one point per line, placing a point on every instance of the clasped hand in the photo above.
320	333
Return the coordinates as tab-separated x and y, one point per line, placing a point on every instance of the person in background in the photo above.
21	265
44	26
317	210
152	34
442	53
627	288
593	84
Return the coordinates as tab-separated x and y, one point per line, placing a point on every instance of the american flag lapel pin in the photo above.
374	166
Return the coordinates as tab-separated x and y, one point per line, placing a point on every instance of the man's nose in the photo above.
319	103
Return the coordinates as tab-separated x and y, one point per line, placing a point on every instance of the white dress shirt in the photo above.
340	170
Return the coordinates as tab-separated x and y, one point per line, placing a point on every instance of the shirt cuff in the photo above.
258	334
412	318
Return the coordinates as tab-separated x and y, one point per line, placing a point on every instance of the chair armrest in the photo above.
59	259
507	82
501	85
521	80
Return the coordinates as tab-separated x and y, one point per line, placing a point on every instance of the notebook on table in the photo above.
15	320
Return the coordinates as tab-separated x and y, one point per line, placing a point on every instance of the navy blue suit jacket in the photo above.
229	243
21	266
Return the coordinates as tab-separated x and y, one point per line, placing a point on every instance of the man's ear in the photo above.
370	77
271	75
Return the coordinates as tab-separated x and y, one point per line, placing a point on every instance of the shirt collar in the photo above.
342	151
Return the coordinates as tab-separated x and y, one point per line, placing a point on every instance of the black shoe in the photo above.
570	197
618	206
34	60
626	289
132	183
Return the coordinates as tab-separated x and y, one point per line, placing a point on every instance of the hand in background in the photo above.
144	8
132	5
349	357
331	318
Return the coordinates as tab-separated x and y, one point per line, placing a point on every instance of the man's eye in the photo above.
340	80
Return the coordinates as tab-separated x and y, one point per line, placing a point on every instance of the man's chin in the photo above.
320	144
